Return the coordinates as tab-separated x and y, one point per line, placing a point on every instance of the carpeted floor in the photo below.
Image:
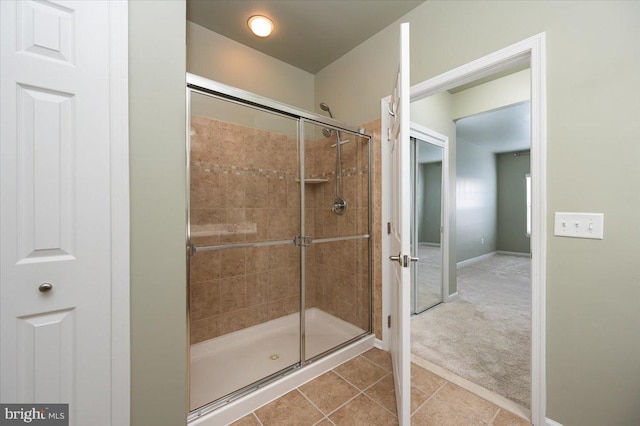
484	335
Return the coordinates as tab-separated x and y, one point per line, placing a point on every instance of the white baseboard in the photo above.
550	422
429	244
451	297
514	253
241	407
475	259
380	345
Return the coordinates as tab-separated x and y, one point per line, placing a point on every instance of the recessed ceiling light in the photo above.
260	25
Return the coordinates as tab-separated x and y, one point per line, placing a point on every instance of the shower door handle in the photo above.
397	258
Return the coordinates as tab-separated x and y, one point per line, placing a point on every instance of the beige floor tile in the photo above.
328	391
506	418
384	393
417	398
324	422
360	372
454	406
291	409
424	380
380	357
362	411
248	420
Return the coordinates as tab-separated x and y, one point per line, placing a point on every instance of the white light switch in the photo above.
579	225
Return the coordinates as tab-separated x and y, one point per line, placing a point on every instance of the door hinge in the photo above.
388	227
389	321
388	134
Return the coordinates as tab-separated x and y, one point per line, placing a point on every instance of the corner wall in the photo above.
221	59
157	165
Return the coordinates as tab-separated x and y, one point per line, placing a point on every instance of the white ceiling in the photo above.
309	34
502	130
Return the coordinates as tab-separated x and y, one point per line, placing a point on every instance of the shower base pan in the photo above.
227	363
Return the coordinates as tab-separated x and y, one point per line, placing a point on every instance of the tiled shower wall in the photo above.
244	189
340	268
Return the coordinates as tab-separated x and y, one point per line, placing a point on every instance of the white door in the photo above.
55	209
400	244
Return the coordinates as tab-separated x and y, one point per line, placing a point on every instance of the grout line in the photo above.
368	360
429	399
383	407
345	403
257	418
372	384
311	402
494	416
375	363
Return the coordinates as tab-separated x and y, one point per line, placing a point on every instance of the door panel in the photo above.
400	231
55	206
244	272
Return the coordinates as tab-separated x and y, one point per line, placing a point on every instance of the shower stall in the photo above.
279	275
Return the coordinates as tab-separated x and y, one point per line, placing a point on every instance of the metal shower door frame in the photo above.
203	86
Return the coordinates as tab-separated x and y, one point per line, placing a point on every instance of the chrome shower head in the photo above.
327	132
326	108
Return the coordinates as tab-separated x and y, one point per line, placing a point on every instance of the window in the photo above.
528	181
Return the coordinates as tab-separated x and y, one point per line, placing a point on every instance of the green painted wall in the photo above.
157	164
593	72
477	207
512	201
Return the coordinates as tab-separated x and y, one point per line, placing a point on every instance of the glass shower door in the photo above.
244	269
336	198
426	235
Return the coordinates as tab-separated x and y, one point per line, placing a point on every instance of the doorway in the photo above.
530	51
484	335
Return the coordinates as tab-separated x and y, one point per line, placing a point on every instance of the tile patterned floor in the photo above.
361	392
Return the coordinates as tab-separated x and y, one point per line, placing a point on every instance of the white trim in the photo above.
251	402
475	259
385	218
379	344
513	253
550	422
119	129
531	50
438	139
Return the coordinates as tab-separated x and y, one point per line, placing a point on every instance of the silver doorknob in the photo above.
45	287
397	258
414	259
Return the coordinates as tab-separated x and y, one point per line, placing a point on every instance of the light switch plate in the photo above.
579	225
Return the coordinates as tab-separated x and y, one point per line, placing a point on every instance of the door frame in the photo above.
427	135
533	51
120	215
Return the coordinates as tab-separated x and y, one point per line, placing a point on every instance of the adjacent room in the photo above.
481	332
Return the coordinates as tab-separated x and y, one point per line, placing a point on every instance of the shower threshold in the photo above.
224	364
